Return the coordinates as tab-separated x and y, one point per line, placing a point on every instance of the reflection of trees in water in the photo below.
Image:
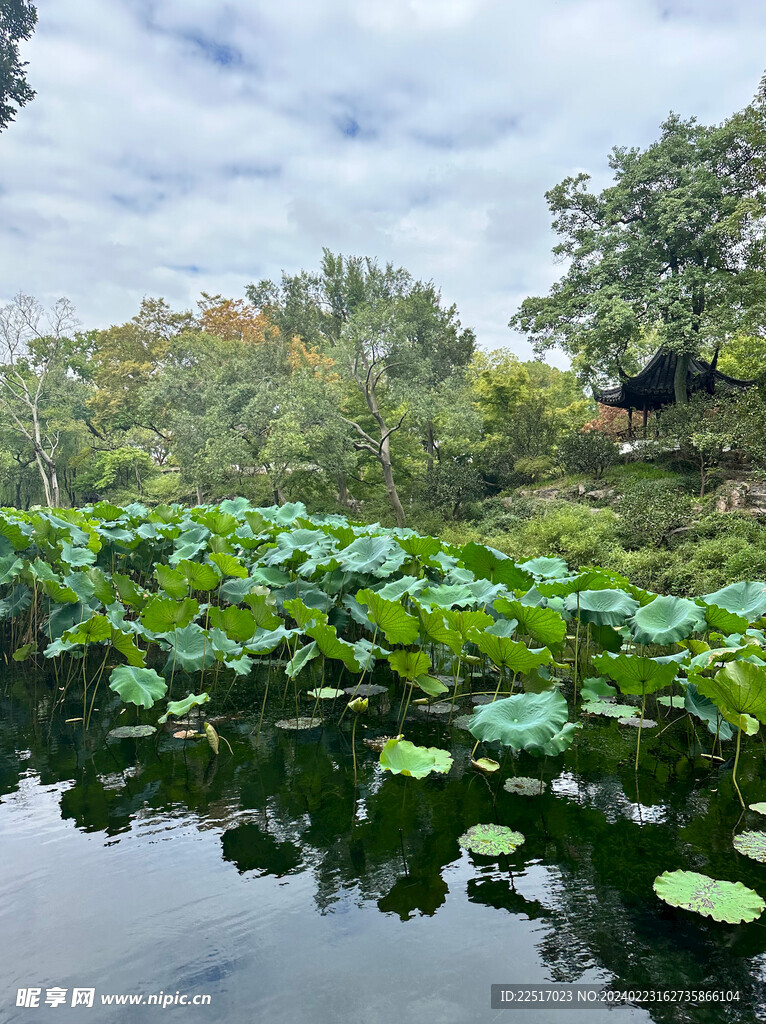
286	803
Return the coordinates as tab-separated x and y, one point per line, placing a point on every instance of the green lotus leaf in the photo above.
131	732
707	712
746	599
433	628
502	627
420	547
751	844
302	657
141	686
400	757
76	555
592	579
739	691
163	614
447	595
325	693
200	576
594	688
523	721
759	808
465	623
171	581
490	564
237	623
128	591
397	625
265	640
368	554
94	630
179	708
331	646
22	653
636	675
666	620
723	620
543	624
490	840
601	607
730	902
510	654
522	786
410	586
609	710
410	664
365	690
10	567
431	686
228	565
676	701
190	649
546	568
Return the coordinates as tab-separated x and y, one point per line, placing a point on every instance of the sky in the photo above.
181	146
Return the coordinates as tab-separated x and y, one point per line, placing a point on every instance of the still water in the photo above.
264	879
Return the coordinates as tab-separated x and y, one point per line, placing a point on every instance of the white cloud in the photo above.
177	146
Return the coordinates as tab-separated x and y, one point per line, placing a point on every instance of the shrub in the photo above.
649	510
590	452
532	470
578	534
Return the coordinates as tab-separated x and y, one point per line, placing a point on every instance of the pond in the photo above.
266	879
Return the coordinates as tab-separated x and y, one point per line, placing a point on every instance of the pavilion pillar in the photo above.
646	417
630	422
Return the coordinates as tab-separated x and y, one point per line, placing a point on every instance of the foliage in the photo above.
589	452
17	22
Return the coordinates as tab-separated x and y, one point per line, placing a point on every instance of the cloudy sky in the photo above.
177	146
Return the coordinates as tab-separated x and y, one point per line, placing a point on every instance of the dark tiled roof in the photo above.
653	386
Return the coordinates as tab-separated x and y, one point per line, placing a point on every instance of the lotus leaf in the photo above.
601	607
163	614
637	675
666	620
490	564
410	664
524	721
130	732
510	654
759	808
546	568
490	840
299	724
178	708
366	690
746	599
543	624
325	693
524	786
141	686
397	625
594	688
486	764
609	710
730	902
751	844
739	691
400	757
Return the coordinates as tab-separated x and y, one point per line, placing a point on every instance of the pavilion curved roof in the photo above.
652	388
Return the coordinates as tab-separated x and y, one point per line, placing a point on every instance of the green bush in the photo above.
649	510
591	452
577	533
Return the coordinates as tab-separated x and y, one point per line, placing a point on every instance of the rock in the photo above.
732	497
600	494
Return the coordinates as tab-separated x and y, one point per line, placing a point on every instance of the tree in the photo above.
391	340
704	431
34	358
17	22
672	251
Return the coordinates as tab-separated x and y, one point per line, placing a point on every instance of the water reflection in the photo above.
285	815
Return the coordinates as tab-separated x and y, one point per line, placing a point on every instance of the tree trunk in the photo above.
388	477
679	380
430	447
199	493
342	491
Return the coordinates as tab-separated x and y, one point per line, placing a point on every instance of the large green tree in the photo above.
672	250
17	22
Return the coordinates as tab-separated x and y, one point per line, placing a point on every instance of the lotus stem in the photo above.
577	649
734	770
404	713
353	744
640	728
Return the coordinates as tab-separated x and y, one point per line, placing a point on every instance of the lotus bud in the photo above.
359	705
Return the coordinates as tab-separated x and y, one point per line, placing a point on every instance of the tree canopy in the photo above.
671	254
17	22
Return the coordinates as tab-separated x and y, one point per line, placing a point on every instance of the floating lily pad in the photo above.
672	702
481	698
490	840
325	693
187	734
609	710
758	808
485	764
635	721
752	844
462	722
525	787
130	732
365	690
730	902
298	723
435	709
